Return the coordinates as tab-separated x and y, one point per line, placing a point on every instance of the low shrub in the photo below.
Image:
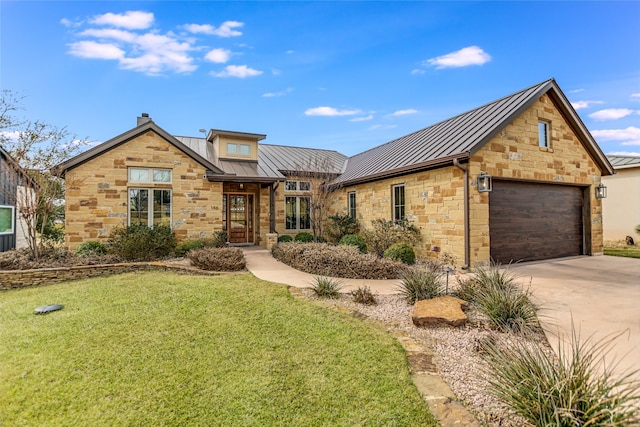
418	284
354	240
401	252
336	261
218	259
574	388
141	243
219	240
304	237
363	295
284	238
326	287
466	289
383	234
22	259
340	225
188	245
91	248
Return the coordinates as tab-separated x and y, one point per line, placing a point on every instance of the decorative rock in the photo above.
448	310
44	309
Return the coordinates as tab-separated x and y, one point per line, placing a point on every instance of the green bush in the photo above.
383	234
218	259
91	248
401	252
340	225
574	388
498	295
303	237
284	238
363	295
326	287
188	245
638	229
354	240
418	284
141	243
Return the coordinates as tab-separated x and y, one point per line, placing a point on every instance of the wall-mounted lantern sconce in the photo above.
601	191
484	183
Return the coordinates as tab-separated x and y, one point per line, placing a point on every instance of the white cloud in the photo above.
69	23
219	56
239	71
472	55
635	96
132	20
95	50
577	105
611	114
403	113
629	136
110	33
275	94
224	30
362	119
417	71
624	153
289	52
576	91
330	112
382	127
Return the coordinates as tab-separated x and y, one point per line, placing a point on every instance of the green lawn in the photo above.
165	350
626	251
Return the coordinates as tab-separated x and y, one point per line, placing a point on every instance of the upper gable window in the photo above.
146	175
543	134
238	149
297	186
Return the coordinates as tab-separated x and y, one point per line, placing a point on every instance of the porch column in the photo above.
272	208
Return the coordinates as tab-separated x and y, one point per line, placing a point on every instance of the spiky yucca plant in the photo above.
326	287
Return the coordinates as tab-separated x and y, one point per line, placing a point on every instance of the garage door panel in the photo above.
530	221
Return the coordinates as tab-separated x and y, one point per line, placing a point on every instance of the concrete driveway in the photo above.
601	293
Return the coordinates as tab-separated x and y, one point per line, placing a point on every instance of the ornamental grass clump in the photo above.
497	294
418	284
326	287
576	388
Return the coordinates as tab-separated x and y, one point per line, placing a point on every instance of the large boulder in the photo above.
437	311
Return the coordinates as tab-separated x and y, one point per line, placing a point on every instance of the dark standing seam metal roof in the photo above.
458	137
274	161
623	162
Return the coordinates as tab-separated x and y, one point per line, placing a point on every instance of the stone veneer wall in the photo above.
434	203
515	154
97	191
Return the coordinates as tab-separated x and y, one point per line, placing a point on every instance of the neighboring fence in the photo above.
46	276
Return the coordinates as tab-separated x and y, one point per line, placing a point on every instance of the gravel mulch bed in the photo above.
457	353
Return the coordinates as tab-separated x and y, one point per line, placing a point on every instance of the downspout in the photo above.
467	243
272	207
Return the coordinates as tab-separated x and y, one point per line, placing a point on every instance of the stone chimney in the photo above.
144	118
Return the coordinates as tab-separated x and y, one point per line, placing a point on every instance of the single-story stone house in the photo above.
12	227
621	208
514	179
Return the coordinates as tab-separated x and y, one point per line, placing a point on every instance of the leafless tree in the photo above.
319	170
36	148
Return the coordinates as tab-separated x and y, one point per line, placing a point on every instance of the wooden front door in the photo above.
240	218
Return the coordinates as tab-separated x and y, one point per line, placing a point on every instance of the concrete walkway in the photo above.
265	267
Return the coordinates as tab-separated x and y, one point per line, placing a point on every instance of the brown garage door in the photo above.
530	222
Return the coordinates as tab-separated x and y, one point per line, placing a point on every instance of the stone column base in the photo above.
272	240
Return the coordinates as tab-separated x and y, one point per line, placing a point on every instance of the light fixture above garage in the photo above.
601	191
484	183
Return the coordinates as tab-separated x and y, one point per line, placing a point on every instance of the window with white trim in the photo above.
7	223
398	203
238	149
297	213
148	175
149	206
543	134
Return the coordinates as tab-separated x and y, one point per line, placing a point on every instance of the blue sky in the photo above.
345	76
